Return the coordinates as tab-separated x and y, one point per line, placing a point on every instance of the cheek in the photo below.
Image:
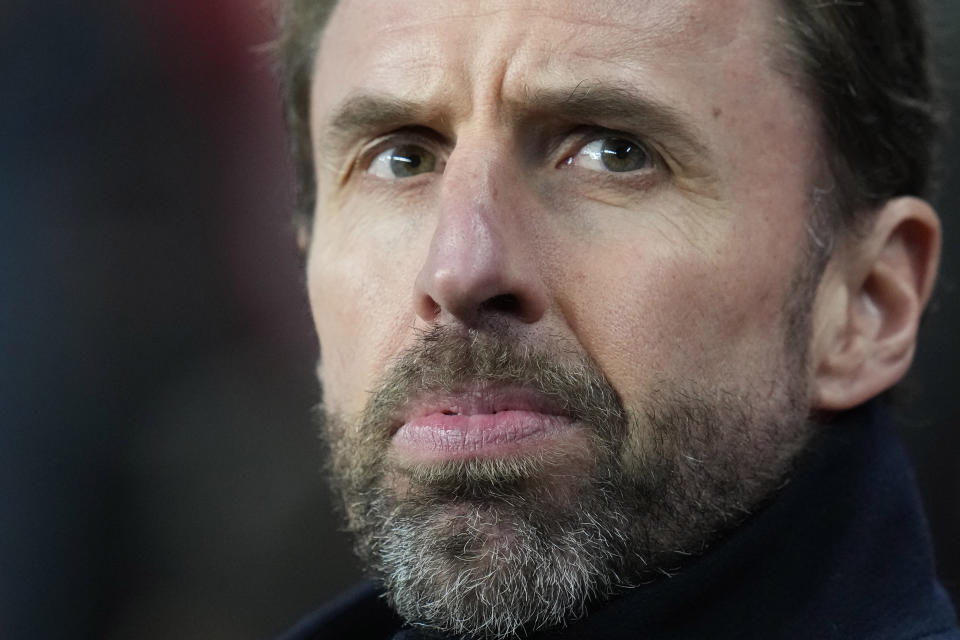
677	314
360	298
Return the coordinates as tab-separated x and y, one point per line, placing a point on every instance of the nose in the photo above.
483	262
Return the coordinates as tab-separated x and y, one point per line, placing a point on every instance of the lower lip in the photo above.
439	437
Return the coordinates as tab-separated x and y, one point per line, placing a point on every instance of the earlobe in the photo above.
874	294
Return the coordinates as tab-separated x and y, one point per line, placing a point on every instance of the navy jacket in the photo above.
842	552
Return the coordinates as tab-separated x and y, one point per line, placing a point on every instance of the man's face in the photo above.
558	273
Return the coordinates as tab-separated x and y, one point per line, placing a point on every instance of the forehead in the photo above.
464	51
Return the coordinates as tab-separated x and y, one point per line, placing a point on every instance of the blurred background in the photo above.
159	472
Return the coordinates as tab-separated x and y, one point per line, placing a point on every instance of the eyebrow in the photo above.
603	104
624	108
359	115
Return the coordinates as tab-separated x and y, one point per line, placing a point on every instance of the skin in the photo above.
679	271
676	282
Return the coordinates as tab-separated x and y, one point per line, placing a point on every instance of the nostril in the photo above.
428	308
504	303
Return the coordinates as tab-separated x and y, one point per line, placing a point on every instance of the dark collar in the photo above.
841	552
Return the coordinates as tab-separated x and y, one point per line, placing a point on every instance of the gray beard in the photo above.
496	548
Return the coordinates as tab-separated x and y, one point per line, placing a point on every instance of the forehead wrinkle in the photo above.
416	22
647	30
506	60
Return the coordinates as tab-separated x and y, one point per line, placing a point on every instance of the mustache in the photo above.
451	360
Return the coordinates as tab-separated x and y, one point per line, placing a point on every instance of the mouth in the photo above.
479	422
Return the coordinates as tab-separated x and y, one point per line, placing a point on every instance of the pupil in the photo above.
619	154
411	160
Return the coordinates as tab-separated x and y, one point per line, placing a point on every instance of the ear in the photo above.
869	305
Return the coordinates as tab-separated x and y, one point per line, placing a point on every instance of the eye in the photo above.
612	153
402	161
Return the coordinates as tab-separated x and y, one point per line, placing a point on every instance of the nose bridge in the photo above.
481	259
472	206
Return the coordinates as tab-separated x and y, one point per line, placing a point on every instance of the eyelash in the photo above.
584	136
573	144
418	136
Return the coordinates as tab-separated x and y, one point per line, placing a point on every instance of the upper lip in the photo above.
479	399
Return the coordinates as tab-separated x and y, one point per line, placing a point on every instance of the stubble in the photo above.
494	548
